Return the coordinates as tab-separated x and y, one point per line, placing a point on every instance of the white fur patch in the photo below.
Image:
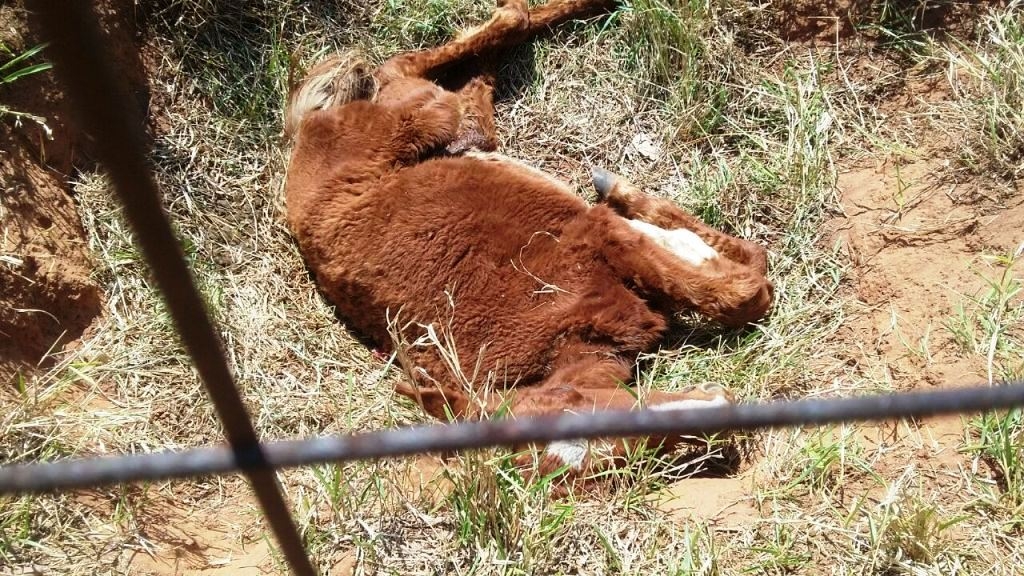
691	404
570	452
681	242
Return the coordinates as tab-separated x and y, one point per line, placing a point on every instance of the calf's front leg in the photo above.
591	386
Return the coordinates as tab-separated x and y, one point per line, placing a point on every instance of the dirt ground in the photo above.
829	21
911	228
47	295
48	298
916	263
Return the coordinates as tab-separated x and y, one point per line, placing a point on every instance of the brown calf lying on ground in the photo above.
508	289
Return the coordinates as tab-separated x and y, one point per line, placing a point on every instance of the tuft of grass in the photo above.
679	54
698	555
899	25
988	78
16	67
37	426
909	534
825	462
399	25
778	553
496	509
999	439
988	323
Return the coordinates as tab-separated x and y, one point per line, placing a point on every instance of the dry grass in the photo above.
694	100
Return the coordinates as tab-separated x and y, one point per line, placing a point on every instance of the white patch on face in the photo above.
570	452
681	242
691	404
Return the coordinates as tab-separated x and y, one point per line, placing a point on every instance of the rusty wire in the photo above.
105	111
469	435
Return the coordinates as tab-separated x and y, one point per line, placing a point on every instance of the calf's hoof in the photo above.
604	181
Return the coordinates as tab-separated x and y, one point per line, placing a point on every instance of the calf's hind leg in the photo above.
512	23
557	12
507	27
673	278
633	204
475	51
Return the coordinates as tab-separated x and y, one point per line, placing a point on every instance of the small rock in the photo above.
645	146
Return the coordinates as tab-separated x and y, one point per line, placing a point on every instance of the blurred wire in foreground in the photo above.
468	435
104	110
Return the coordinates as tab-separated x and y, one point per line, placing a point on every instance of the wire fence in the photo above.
468	435
104	110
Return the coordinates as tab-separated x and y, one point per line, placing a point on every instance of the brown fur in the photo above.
549	297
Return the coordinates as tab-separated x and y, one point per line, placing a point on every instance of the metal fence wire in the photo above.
104	110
